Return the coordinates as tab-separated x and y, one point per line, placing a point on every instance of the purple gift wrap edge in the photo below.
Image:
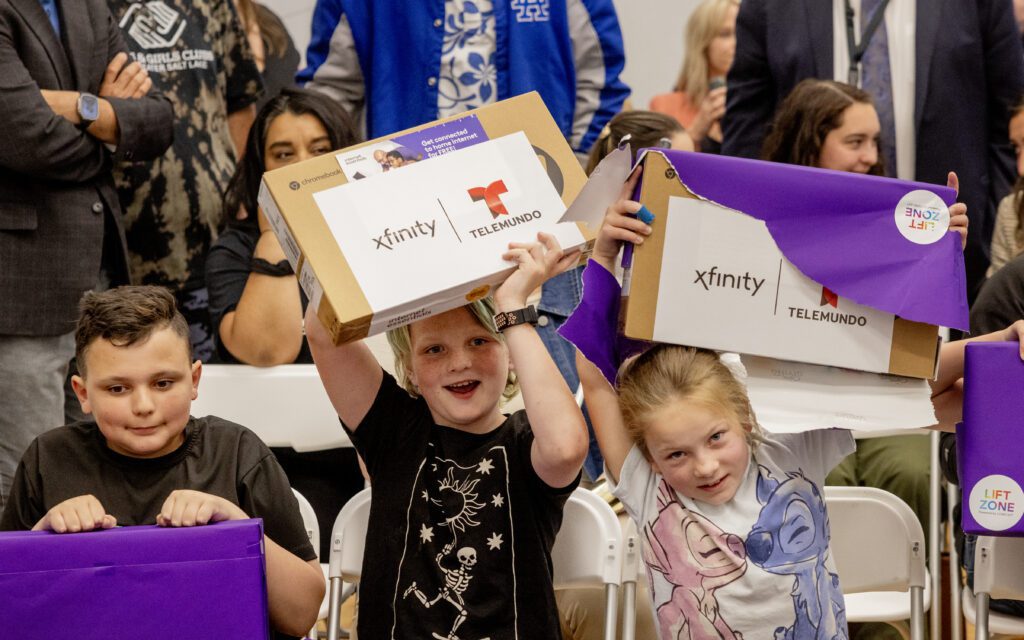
152	582
839	229
990	440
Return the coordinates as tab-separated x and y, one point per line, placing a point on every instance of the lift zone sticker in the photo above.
996	502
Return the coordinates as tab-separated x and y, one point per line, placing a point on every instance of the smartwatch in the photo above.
506	319
88	109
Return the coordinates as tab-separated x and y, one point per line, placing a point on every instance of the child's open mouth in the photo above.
463	389
711	486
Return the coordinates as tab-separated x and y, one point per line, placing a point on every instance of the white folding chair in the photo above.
879	550
286	406
348	538
998	573
632	570
588	551
312	526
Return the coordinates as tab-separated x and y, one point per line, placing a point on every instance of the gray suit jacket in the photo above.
969	72
56	188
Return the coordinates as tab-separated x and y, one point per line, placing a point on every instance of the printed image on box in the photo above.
386	226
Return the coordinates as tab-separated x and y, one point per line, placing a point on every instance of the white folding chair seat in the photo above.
879	551
588	551
999	574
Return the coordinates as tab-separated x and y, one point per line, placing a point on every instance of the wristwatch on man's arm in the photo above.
88	109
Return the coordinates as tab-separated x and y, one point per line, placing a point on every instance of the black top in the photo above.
461	528
227	270
278	69
1000	302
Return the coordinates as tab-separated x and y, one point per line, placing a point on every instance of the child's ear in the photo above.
197	372
78	386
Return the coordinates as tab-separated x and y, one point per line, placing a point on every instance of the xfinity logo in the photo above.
715	278
390	238
491	194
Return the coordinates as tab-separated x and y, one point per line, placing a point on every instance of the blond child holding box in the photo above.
466	500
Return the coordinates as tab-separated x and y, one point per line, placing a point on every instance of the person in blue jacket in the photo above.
436	59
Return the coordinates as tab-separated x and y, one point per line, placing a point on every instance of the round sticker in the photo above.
996	502
922	217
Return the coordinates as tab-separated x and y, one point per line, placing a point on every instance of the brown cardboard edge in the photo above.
658	183
911	341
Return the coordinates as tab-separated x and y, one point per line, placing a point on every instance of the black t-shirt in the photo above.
460	530
218	457
1000	302
228	267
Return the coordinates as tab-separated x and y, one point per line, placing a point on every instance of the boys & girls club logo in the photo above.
995	502
491	194
922	217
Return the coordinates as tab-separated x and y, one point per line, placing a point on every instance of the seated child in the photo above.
145	460
466	500
732	520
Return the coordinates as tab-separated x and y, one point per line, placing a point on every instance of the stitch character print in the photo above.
696	558
791	537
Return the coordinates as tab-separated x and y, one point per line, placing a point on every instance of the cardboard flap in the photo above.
843	230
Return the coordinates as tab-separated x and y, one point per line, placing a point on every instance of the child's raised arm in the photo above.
605	416
560	434
350	373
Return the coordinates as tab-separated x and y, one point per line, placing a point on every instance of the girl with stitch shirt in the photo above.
466	500
732	521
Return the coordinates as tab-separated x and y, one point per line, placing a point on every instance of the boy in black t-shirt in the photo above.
466	501
146	461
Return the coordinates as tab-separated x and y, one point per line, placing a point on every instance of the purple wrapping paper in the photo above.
135	582
838	229
990	441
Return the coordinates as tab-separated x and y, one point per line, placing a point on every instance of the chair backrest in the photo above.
633	568
286	406
999	567
588	548
877	541
348	538
309	521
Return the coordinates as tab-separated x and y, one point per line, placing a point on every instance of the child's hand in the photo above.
1013	333
186	508
958	212
620	226
538	262
81	513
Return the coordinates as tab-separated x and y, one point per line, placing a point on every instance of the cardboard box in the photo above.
400	228
135	582
988	441
711	276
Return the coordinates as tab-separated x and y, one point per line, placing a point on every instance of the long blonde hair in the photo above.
701	29
665	373
400	340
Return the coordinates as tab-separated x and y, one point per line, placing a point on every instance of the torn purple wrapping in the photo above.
135	582
838	229
990	441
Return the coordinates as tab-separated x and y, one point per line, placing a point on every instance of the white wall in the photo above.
651	29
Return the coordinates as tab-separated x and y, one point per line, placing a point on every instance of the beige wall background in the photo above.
651	29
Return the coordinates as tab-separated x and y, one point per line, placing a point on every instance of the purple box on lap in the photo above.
990	441
135	582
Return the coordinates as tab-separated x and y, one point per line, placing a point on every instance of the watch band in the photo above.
506	319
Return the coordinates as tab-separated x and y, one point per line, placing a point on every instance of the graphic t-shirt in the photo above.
758	566
197	55
461	528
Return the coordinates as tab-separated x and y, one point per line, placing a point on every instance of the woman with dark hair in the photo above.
256	306
1008	237
826	124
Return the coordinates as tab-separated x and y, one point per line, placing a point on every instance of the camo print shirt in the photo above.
197	55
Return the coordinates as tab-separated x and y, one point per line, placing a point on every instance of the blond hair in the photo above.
666	373
400	340
701	29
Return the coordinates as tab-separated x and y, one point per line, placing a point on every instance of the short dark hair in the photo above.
244	187
805	118
124	316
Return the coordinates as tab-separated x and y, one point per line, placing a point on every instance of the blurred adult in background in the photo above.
272	48
943	76
438	59
256	306
72	103
698	99
197	54
1008	236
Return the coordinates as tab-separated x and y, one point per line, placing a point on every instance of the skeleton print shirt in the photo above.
758	566
460	532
